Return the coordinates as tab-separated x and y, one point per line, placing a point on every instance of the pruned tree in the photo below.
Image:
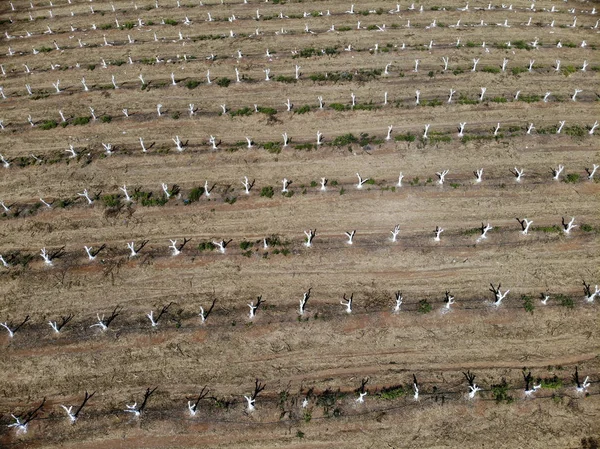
580	386
103	323
222	245
204	315
193	406
350	236
254	307
448	299
395	232
484	231
12	330
437	233
73	416
530	387
498	295
64	320
22	421
399	299
473	388
568	226
415	388
361	391
589	295
310	235
348	302
49	257
304	300
176	249
91	253
525	223
160	314
137	411
134	250
251	400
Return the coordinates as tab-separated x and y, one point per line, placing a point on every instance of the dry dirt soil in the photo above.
324	354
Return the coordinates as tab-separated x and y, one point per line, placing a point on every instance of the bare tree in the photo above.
568	226
63	322
137	411
193	406
13	330
251	400
73	416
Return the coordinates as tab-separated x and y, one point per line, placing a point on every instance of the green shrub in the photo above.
111	200
127	25
195	194
424	306
272	147
499	100
338	107
245	245
500	392
267	192
48	124
408	137
345	139
286	79
303	109
565	301
527	303
106	119
170	22
266	110
223	82
245	111
571	178
192	84
586	227
83	120
206	246
518	70
552	383
390	393
491	69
